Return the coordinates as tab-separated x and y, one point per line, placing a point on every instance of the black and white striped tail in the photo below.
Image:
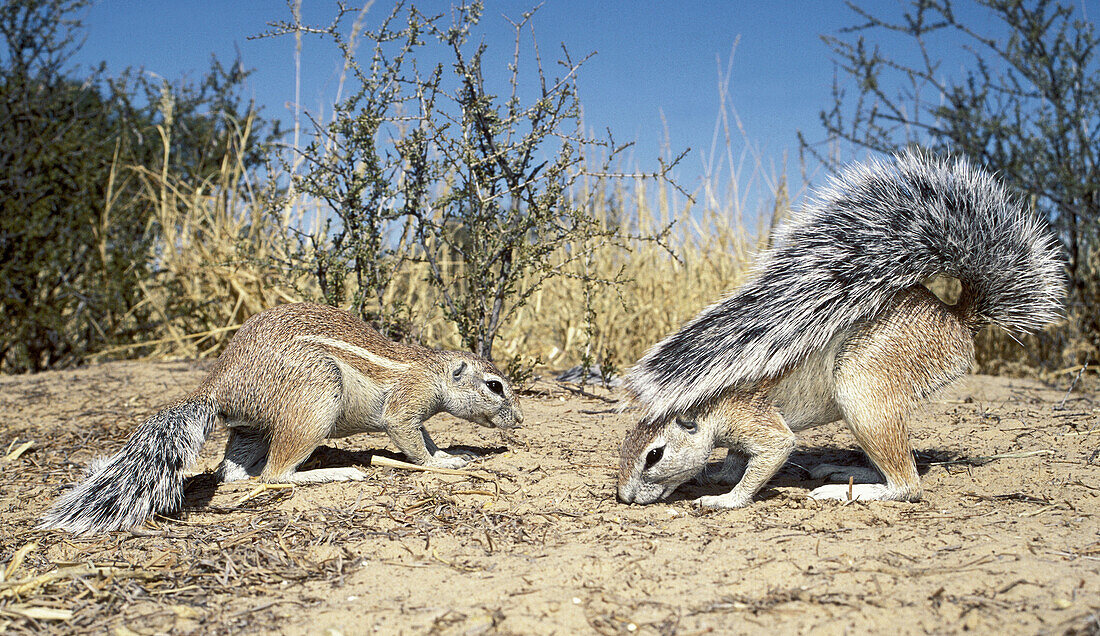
144	478
877	229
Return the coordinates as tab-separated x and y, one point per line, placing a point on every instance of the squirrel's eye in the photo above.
654	456
495	386
688	426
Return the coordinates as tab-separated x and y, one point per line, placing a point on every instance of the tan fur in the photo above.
750	424
890	367
298	374
872	377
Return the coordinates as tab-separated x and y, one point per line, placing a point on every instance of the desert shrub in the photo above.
1026	105
65	269
80	244
423	169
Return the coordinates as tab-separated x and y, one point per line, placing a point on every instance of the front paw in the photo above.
726	501
446	460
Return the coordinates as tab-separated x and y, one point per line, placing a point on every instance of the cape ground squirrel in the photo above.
291	377
837	325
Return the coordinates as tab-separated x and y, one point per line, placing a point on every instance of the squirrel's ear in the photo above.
687	425
460	370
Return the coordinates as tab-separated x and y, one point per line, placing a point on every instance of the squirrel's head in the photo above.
656	457
476	390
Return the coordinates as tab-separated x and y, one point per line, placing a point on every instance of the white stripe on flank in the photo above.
373	358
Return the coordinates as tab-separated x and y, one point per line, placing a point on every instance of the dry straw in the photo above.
225	244
222	257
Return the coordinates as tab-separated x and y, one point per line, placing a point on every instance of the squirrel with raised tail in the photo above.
836	324
291	377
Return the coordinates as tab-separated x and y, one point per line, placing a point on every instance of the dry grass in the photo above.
219	254
166	579
224	249
223	252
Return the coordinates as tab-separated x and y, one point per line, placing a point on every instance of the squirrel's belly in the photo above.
805	396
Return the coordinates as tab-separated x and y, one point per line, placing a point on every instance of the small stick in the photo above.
1032	513
17	560
1065	397
39	613
14	455
262	488
377	460
22	587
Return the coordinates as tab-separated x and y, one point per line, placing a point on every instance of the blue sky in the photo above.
657	64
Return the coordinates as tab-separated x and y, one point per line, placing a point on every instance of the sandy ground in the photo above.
532	540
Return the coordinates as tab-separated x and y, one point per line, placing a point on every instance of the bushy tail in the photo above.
875	230
144	478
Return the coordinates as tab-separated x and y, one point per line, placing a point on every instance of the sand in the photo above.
532	540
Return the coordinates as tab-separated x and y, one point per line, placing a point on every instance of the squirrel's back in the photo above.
877	229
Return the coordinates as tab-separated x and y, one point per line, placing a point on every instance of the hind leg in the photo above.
286	456
282	467
323	475
245	454
246	457
885	370
296	432
838	473
874	398
882	434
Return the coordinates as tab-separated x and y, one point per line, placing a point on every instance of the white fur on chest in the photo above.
363	403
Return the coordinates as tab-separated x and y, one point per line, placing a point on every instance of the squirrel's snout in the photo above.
507	419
